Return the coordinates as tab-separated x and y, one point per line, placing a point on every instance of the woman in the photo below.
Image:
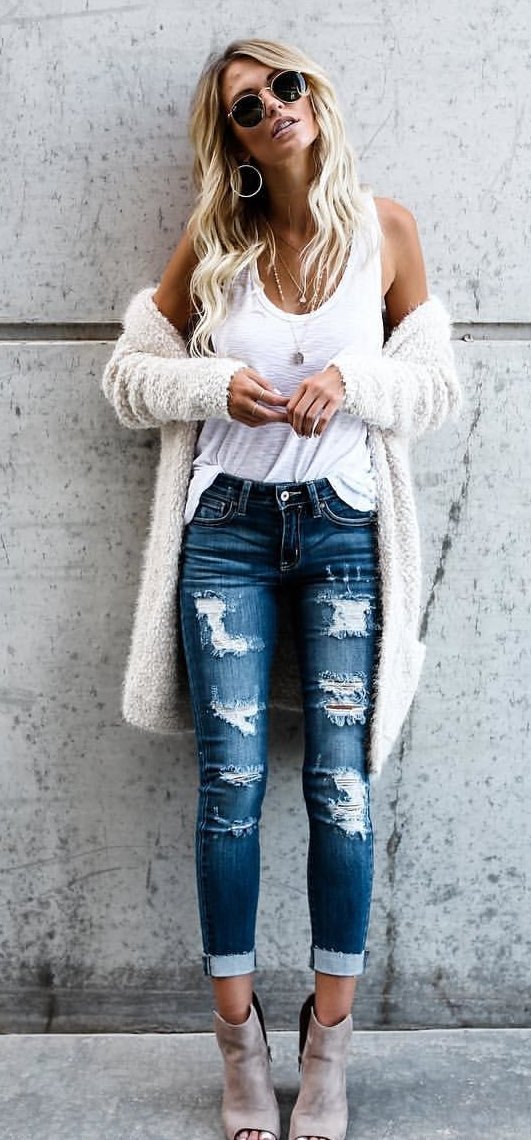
276	287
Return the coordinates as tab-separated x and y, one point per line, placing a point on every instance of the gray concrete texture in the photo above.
463	1084
99	918
434	96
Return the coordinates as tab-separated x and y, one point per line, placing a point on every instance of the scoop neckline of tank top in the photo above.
268	304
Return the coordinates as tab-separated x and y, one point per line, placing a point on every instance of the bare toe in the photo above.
245	1134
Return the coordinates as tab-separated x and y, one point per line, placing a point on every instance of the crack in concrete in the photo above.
393	843
454	1007
456	507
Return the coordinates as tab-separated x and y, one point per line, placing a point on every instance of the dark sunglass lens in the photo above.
247	111
289	86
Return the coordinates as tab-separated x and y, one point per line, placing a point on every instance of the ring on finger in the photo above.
254	407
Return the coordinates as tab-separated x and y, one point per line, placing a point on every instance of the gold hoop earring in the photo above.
238	170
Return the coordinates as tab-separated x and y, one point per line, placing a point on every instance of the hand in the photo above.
314	402
248	392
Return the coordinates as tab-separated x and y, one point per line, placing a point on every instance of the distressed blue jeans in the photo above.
247	542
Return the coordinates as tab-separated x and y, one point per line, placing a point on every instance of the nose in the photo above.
274	99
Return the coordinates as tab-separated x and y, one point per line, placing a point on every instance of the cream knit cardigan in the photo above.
408	389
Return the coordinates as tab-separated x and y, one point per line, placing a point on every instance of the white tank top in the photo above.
259	332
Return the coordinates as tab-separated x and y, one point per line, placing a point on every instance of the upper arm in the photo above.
173	297
409	286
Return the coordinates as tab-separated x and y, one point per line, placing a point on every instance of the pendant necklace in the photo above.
303	300
298	357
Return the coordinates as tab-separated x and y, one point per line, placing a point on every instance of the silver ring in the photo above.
254	407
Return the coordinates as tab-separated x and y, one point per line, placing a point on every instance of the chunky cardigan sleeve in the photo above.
413	386
150	380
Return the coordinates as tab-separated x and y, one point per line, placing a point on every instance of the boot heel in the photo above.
304	1021
260	1017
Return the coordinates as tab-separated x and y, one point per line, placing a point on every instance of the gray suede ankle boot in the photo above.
321	1107
249	1100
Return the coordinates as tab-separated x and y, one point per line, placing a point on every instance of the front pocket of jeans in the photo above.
342	513
211	511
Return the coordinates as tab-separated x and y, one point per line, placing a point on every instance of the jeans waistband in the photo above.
285	494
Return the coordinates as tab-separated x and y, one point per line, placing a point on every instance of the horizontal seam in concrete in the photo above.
24	331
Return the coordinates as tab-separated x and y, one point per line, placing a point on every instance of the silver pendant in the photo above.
298	358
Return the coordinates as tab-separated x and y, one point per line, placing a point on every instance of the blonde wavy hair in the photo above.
224	228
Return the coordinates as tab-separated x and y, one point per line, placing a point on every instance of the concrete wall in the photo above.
99	923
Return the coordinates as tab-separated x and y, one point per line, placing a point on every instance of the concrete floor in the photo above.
465	1084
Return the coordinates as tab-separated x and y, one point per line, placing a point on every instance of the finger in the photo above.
256	405
313	424
313	421
317	419
268	417
272	398
307	407
255	392
261	381
305	389
298	411
324	420
267	392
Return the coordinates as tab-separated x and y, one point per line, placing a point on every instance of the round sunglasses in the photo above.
249	110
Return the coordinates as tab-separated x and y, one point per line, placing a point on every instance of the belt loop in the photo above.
243	496
312	491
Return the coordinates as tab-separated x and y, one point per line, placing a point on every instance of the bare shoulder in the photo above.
403	270
399	228
394	216
172	296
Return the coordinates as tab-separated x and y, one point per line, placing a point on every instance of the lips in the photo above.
279	122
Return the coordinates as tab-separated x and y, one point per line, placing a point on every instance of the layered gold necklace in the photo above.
298	357
302	298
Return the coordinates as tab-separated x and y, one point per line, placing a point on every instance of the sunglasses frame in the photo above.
268	87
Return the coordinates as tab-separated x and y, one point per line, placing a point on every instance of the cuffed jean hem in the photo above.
229	965
335	962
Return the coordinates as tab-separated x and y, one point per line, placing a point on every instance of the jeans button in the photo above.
284	495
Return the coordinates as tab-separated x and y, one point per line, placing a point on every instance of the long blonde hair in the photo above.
224	228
